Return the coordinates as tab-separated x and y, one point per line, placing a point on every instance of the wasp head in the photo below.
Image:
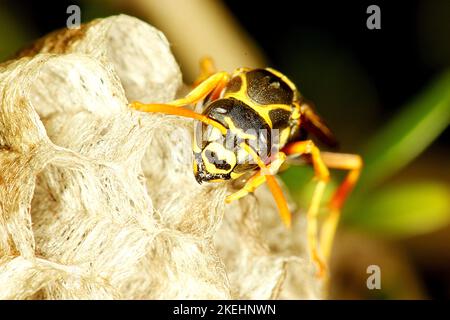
213	159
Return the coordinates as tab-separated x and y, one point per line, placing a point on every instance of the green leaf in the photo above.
408	134
404	209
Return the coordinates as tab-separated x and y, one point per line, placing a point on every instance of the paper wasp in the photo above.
243	104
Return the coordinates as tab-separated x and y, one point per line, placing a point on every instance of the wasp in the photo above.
249	106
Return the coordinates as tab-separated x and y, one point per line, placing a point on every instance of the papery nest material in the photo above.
99	201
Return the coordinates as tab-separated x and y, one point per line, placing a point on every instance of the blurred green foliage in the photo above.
414	207
403	209
408	134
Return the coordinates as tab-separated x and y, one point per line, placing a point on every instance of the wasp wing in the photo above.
314	124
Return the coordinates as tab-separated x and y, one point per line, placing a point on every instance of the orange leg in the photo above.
321	172
177	111
200	92
214	83
280	200
266	175
353	163
207	69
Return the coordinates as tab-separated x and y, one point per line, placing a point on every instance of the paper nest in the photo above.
98	201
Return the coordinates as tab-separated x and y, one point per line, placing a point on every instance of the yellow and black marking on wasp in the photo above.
249	106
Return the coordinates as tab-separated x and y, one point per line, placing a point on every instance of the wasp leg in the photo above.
177	111
257	179
321	172
207	69
254	182
217	80
280	200
214	84
353	163
266	174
